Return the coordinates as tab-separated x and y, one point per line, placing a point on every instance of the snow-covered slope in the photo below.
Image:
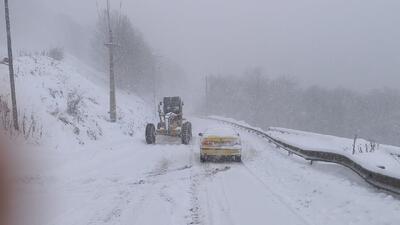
70	101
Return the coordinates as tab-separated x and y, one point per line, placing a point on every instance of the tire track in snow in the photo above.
209	178
126	195
277	196
200	172
153	188
161	196
224	204
195	211
267	187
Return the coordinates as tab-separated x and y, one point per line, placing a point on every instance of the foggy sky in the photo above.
351	43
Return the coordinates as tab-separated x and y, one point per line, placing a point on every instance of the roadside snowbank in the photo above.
378	158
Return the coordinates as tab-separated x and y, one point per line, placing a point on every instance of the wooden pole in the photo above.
11	67
207	103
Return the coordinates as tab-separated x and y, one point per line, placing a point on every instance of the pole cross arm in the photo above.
112	45
4	61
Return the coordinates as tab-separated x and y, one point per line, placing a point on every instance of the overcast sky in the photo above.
351	43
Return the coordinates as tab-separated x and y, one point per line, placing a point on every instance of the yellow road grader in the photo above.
171	123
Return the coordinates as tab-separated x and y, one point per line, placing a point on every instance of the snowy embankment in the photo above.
382	159
70	102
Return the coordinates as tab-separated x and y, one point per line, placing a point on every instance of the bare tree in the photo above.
11	67
135	65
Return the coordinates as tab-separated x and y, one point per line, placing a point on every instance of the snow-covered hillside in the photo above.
70	101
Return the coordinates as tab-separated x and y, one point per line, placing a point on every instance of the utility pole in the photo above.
111	45
11	67
257	97
155	72
207	103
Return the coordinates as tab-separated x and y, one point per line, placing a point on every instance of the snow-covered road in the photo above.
128	182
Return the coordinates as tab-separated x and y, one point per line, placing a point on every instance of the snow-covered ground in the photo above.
72	178
125	181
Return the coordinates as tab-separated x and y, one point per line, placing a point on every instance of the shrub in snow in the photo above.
56	54
5	115
30	129
74	101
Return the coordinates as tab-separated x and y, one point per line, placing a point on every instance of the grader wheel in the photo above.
150	134
186	133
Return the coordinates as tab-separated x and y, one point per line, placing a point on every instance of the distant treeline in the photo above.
281	102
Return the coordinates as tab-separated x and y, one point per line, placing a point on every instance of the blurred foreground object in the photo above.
6	190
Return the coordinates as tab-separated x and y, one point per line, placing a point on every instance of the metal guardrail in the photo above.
377	180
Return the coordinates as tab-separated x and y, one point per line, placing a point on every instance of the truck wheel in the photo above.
150	134
160	125
186	133
237	158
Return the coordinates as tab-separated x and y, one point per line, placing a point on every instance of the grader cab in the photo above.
172	123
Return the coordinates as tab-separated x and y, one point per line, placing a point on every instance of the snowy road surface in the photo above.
129	182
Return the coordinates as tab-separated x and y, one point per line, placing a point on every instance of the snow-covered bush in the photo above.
56	54
74	101
5	115
30	128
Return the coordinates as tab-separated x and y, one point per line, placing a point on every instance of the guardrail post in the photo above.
354	144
